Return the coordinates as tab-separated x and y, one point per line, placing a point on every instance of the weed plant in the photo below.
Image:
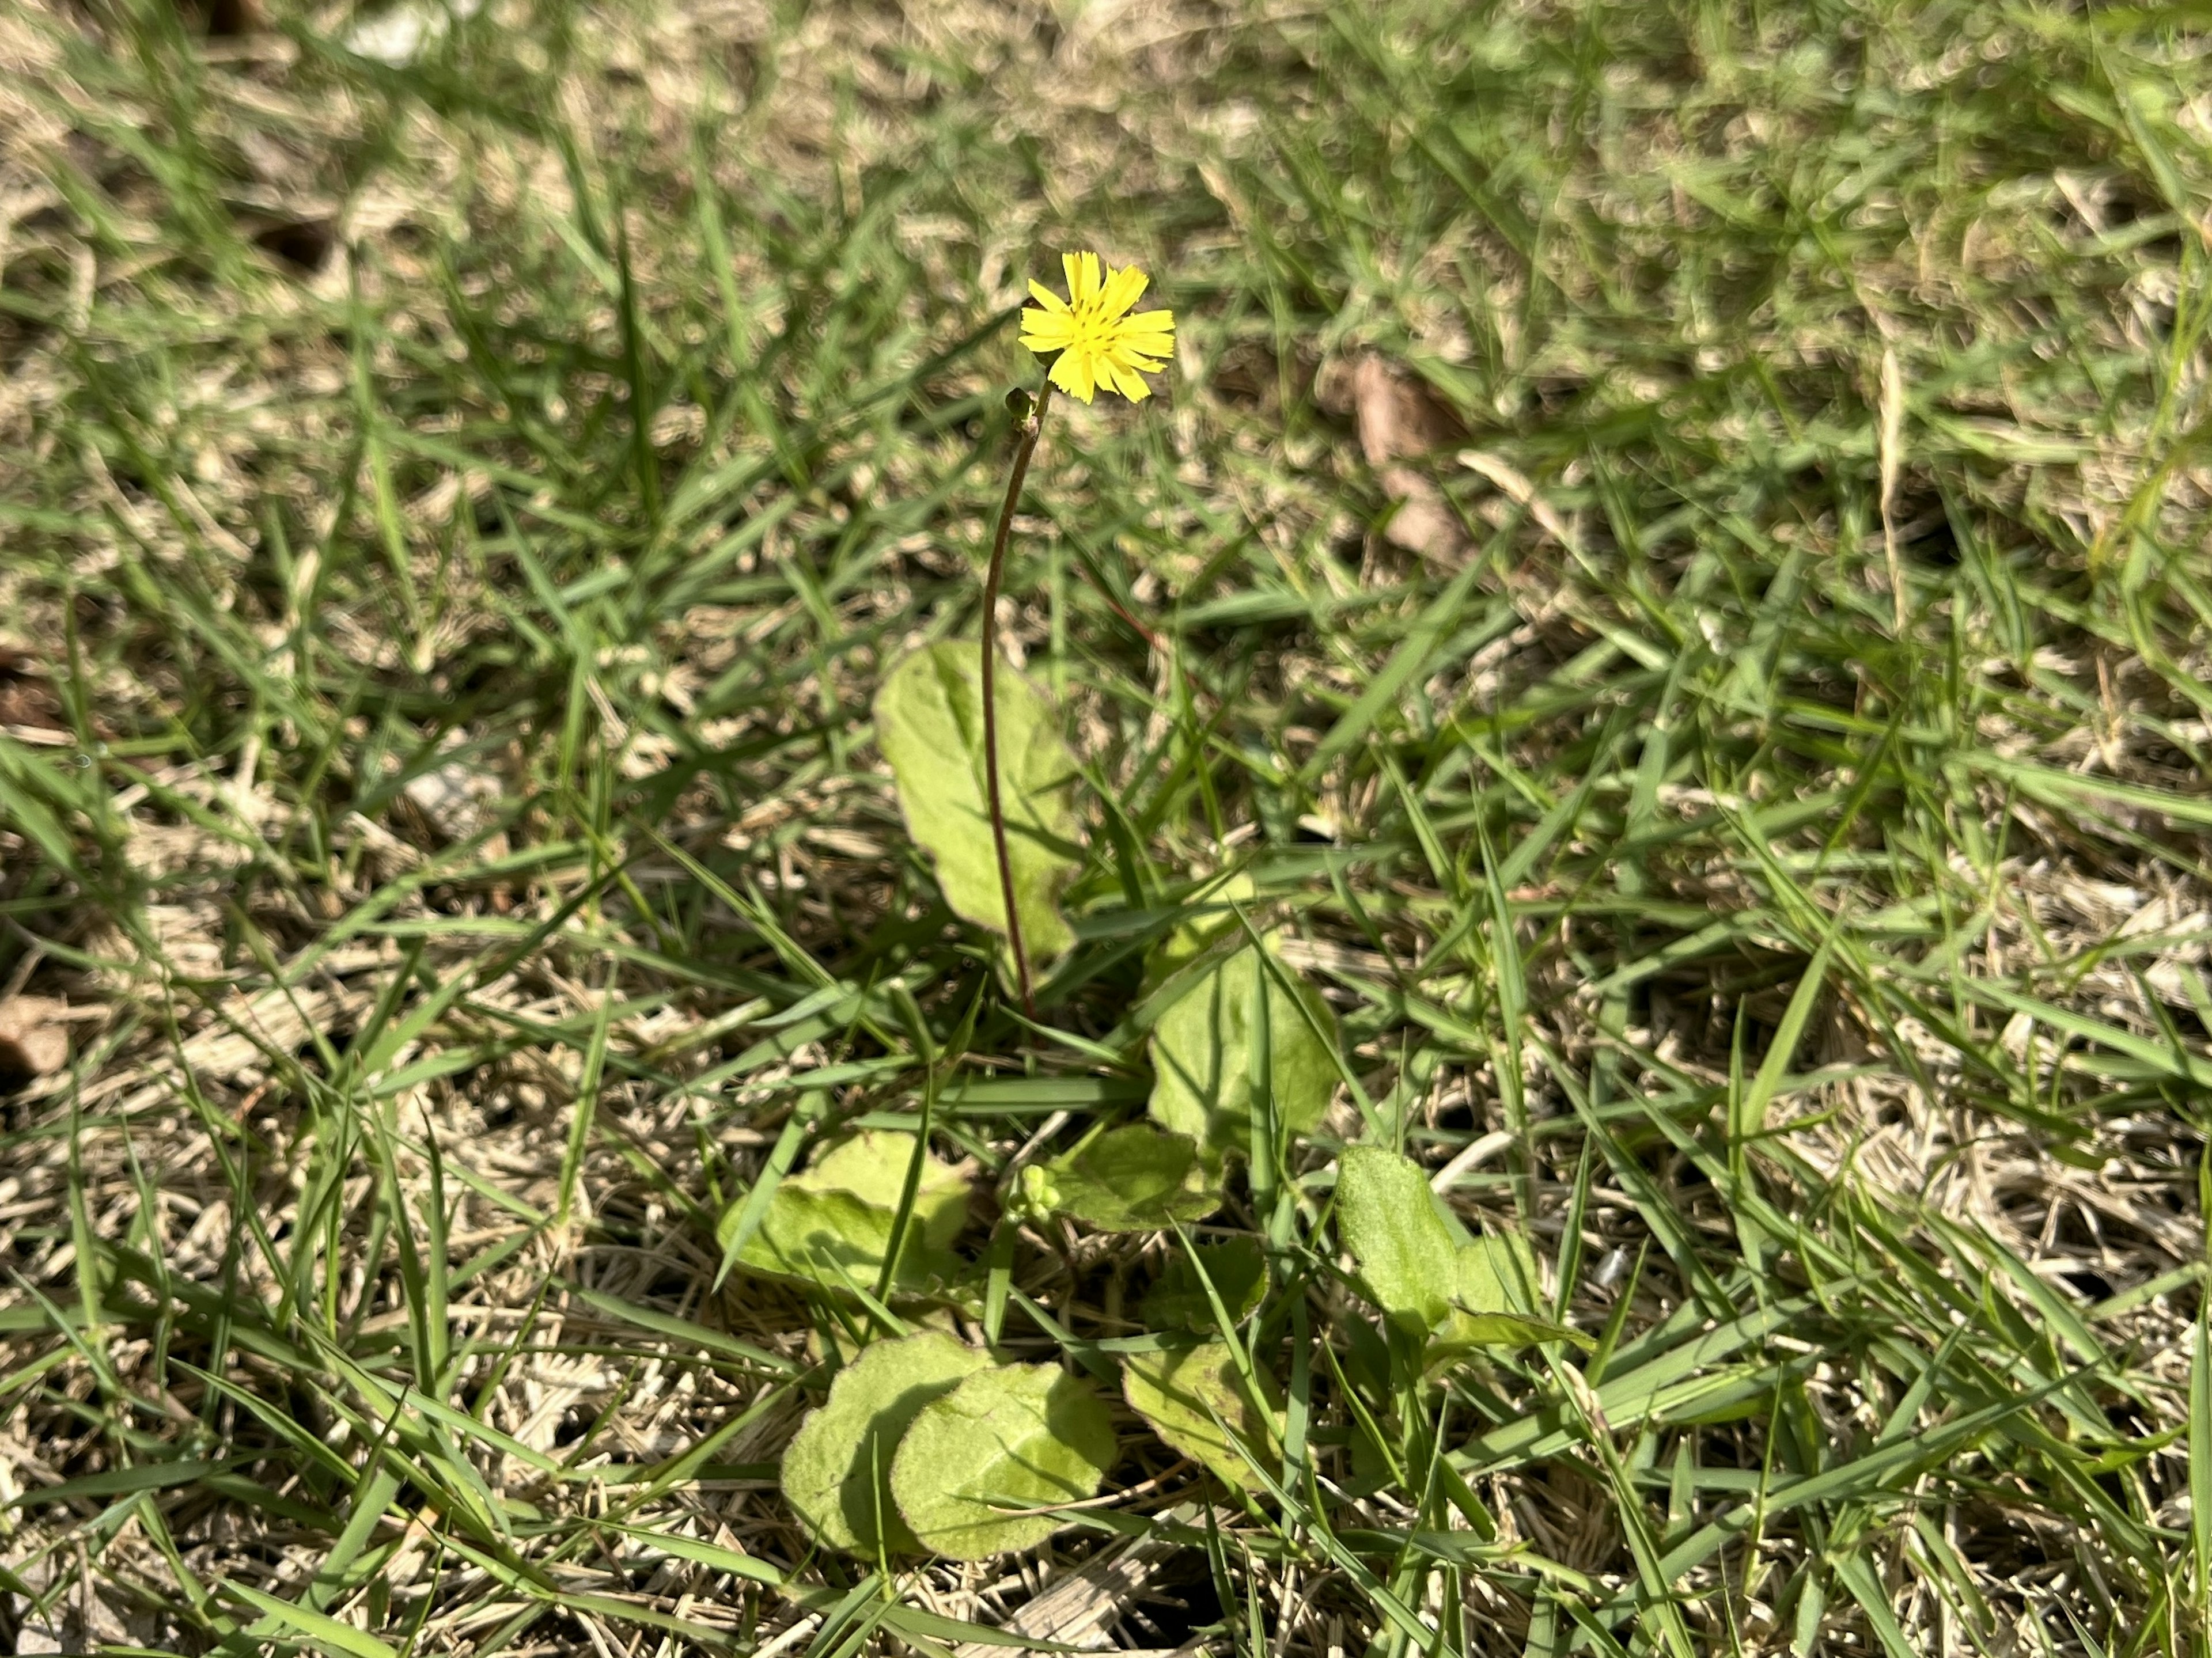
1668	571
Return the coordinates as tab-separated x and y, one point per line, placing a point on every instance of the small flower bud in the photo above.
1037	1194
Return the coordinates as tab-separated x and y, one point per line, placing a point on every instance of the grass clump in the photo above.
1667	581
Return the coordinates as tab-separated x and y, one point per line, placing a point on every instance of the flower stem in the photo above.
1024	448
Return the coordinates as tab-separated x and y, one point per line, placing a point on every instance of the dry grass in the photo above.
453	517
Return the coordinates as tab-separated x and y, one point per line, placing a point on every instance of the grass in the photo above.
453	516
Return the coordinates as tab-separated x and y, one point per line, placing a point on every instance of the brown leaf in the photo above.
1079	1607
1423	523
33	1041
1395	414
1397	419
26	700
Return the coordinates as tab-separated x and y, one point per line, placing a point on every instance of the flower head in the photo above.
1099	342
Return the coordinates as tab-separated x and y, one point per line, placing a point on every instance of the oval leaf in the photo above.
1203	1057
1188	1397
836	1472
929	724
1132	1179
1388	1218
1210	918
1496	1275
1005	1439
1177	1300
1494	1299
872	1166
832	1225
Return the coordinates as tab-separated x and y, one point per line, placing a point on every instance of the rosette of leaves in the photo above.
1194	1399
1432	1281
832	1225
836	1471
1008	1440
1135	1178
1237	1018
929	725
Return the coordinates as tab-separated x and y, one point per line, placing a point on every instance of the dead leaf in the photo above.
1423	523
1511	484
1079	1608
1395	414
455	801
27	702
1892	454
33	1040
1396	419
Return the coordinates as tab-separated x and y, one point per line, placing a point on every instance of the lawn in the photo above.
1623	742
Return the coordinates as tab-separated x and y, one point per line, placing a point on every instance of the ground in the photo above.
1671	556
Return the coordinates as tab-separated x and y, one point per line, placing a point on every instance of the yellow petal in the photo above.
1122	291
1148	322
1149	345
1044	330
1071	374
1123	357
1082	270
1045	297
1128	382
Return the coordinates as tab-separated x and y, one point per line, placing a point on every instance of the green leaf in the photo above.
1389	1218
834	1240
1496	1275
929	724
832	1225
836	1472
1177	1300
1749	1115
1494	1301
1005	1439
327	1633
1136	1178
1188	1396
1210	921
873	1165
1202	1058
1477	1293
117	1482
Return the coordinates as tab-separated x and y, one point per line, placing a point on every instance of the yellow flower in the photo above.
1099	343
